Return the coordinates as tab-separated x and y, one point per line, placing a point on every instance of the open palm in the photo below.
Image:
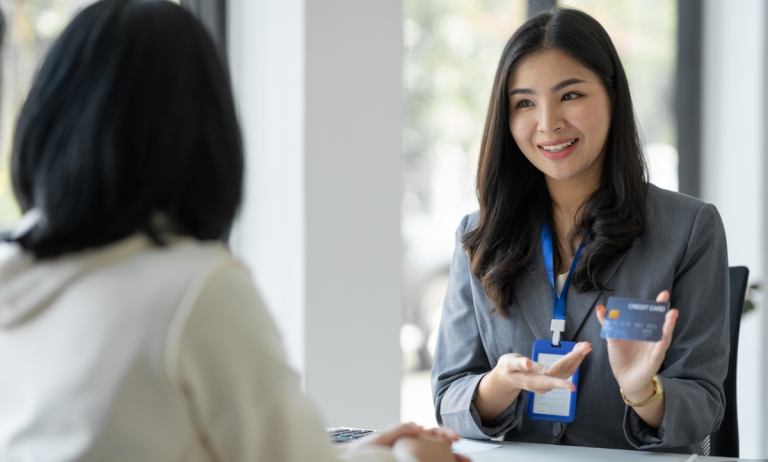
635	362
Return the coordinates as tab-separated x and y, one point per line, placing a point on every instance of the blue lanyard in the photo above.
558	311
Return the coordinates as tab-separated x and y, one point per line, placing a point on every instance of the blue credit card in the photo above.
634	319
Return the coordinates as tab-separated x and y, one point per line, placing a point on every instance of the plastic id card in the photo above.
556	405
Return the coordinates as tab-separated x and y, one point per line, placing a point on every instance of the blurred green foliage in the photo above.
452	50
749	305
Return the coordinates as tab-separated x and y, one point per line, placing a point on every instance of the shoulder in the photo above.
676	223
668	207
224	314
185	261
469	222
671	201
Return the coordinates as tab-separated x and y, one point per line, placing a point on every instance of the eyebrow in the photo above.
559	86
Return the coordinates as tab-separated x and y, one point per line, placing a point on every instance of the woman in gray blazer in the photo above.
561	157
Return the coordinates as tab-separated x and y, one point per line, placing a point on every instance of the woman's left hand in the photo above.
634	363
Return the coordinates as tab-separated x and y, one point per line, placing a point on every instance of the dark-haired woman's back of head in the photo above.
129	122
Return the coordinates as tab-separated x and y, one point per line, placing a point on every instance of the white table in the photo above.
525	452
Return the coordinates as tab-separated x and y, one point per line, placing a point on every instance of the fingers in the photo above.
600	312
406	429
663	297
389	437
410	430
460	458
539	383
538	368
670	319
561	371
513	362
545	386
538	378
424	448
443	433
660	349
567	365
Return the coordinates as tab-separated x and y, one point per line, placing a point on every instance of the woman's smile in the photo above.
558	149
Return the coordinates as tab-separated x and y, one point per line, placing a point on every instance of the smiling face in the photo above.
560	115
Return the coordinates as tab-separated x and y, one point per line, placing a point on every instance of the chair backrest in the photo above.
725	441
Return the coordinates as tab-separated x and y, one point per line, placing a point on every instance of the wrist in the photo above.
639	394
494	394
499	381
643	398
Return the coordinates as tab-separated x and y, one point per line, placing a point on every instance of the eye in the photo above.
570	96
524	103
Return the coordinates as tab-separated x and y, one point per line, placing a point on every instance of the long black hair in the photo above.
130	117
512	193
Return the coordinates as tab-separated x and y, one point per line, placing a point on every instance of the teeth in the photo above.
558	147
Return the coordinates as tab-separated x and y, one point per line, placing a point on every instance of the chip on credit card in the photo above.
634	319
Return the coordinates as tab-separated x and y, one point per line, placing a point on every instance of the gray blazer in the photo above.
683	249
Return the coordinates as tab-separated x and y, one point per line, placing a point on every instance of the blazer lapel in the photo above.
579	305
533	293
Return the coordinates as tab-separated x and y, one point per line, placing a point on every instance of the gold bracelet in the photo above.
658	392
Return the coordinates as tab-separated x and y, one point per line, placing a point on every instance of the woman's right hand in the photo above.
427	448
514	373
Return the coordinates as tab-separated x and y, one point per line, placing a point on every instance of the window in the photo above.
645	35
452	49
32	26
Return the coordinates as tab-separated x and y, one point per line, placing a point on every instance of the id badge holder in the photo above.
556	405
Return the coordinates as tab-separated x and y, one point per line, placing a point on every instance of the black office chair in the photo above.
725	441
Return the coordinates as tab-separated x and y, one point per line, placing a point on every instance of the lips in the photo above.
558	149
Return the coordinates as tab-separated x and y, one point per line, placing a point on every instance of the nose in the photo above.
550	118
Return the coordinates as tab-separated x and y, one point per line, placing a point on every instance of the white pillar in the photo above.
734	174
318	85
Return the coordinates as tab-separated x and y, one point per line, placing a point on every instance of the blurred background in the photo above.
367	120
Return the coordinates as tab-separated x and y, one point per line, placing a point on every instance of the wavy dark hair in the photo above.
130	117
512	193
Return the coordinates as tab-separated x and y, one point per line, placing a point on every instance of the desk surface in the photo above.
524	452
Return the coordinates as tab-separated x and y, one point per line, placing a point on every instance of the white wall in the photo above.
734	174
318	85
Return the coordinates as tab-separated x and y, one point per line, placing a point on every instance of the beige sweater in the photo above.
140	353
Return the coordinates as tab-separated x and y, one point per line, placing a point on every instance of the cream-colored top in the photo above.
560	282
138	353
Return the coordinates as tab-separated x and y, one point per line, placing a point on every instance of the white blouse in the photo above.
134	352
